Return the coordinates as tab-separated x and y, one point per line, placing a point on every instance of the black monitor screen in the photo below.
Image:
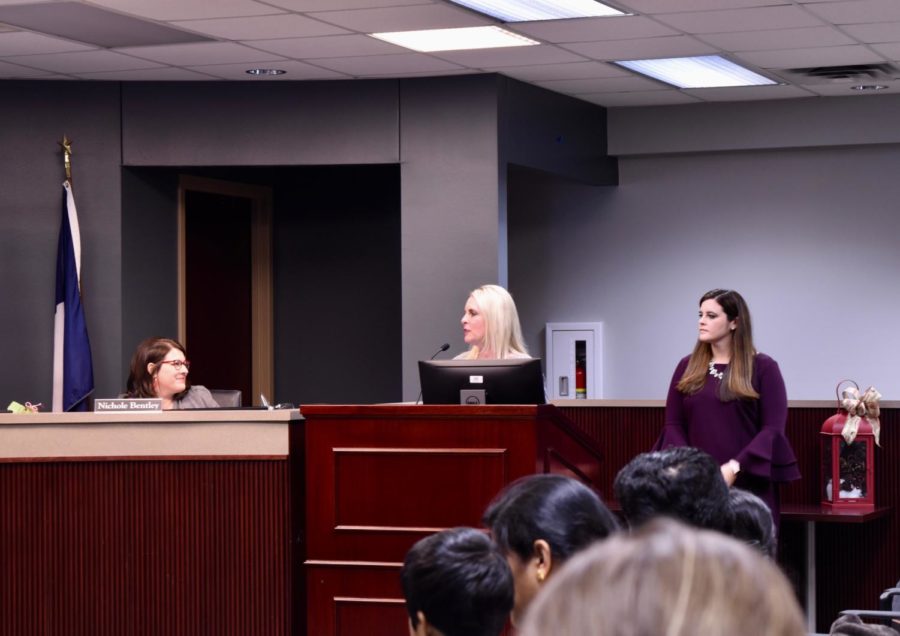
517	381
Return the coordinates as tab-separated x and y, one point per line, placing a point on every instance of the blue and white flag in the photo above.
73	373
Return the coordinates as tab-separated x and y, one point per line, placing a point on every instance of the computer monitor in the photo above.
516	381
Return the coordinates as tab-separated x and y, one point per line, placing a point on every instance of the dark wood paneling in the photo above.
854	562
354	599
144	547
364	475
380	478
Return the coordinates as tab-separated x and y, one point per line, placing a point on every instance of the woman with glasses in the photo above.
159	369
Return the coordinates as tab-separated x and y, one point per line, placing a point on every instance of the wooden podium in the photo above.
379	478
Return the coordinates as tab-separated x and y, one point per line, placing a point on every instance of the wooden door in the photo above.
225	284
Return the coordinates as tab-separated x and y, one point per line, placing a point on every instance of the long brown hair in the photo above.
738	380
140	379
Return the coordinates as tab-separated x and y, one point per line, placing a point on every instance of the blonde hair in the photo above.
667	579
502	331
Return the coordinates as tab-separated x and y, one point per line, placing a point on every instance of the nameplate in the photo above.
130	405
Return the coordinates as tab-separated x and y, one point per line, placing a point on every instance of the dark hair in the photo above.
753	522
558	509
140	379
738	380
680	482
460	581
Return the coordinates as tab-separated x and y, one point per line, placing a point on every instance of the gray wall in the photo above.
450	226
809	236
34	117
445	134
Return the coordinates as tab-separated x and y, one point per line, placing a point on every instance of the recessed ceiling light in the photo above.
265	71
868	87
489	37
527	10
706	71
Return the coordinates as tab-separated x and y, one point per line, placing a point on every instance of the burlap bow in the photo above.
858	407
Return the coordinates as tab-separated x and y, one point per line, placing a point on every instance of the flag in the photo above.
73	373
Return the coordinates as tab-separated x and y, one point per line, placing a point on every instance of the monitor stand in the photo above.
471	396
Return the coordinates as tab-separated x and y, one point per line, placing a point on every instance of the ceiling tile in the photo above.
329	46
25	43
857	11
801	58
678	46
163	74
265	27
93	25
891	50
592	29
747	93
462	71
188	9
640	98
572	70
86	62
757	19
778	39
512	56
295	71
678	6
884	32
604	85
197	54
336	5
14	71
403	18
385	64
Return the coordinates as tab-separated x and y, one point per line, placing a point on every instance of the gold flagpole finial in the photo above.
66	145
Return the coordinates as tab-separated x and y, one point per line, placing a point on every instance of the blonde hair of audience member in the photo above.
670	579
502	334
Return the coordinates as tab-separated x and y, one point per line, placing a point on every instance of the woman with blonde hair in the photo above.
669	579
729	400
491	326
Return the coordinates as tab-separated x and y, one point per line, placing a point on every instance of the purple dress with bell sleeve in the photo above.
748	430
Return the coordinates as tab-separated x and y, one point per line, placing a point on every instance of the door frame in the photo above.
261	278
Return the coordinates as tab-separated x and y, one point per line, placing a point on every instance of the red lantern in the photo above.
848	452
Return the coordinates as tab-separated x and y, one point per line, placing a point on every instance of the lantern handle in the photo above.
837	389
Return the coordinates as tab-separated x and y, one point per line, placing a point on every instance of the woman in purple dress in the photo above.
728	400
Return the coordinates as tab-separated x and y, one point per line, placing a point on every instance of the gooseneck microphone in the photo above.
443	348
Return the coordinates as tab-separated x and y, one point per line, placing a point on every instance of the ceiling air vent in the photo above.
849	74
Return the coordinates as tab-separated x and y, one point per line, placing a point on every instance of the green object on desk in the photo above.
15	407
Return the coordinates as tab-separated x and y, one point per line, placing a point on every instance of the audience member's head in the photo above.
852	625
753	522
456	583
680	482
538	522
667	578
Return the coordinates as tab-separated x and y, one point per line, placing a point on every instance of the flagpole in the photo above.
66	145
73	376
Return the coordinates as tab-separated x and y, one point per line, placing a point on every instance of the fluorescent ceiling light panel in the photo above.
529	10
707	71
490	37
